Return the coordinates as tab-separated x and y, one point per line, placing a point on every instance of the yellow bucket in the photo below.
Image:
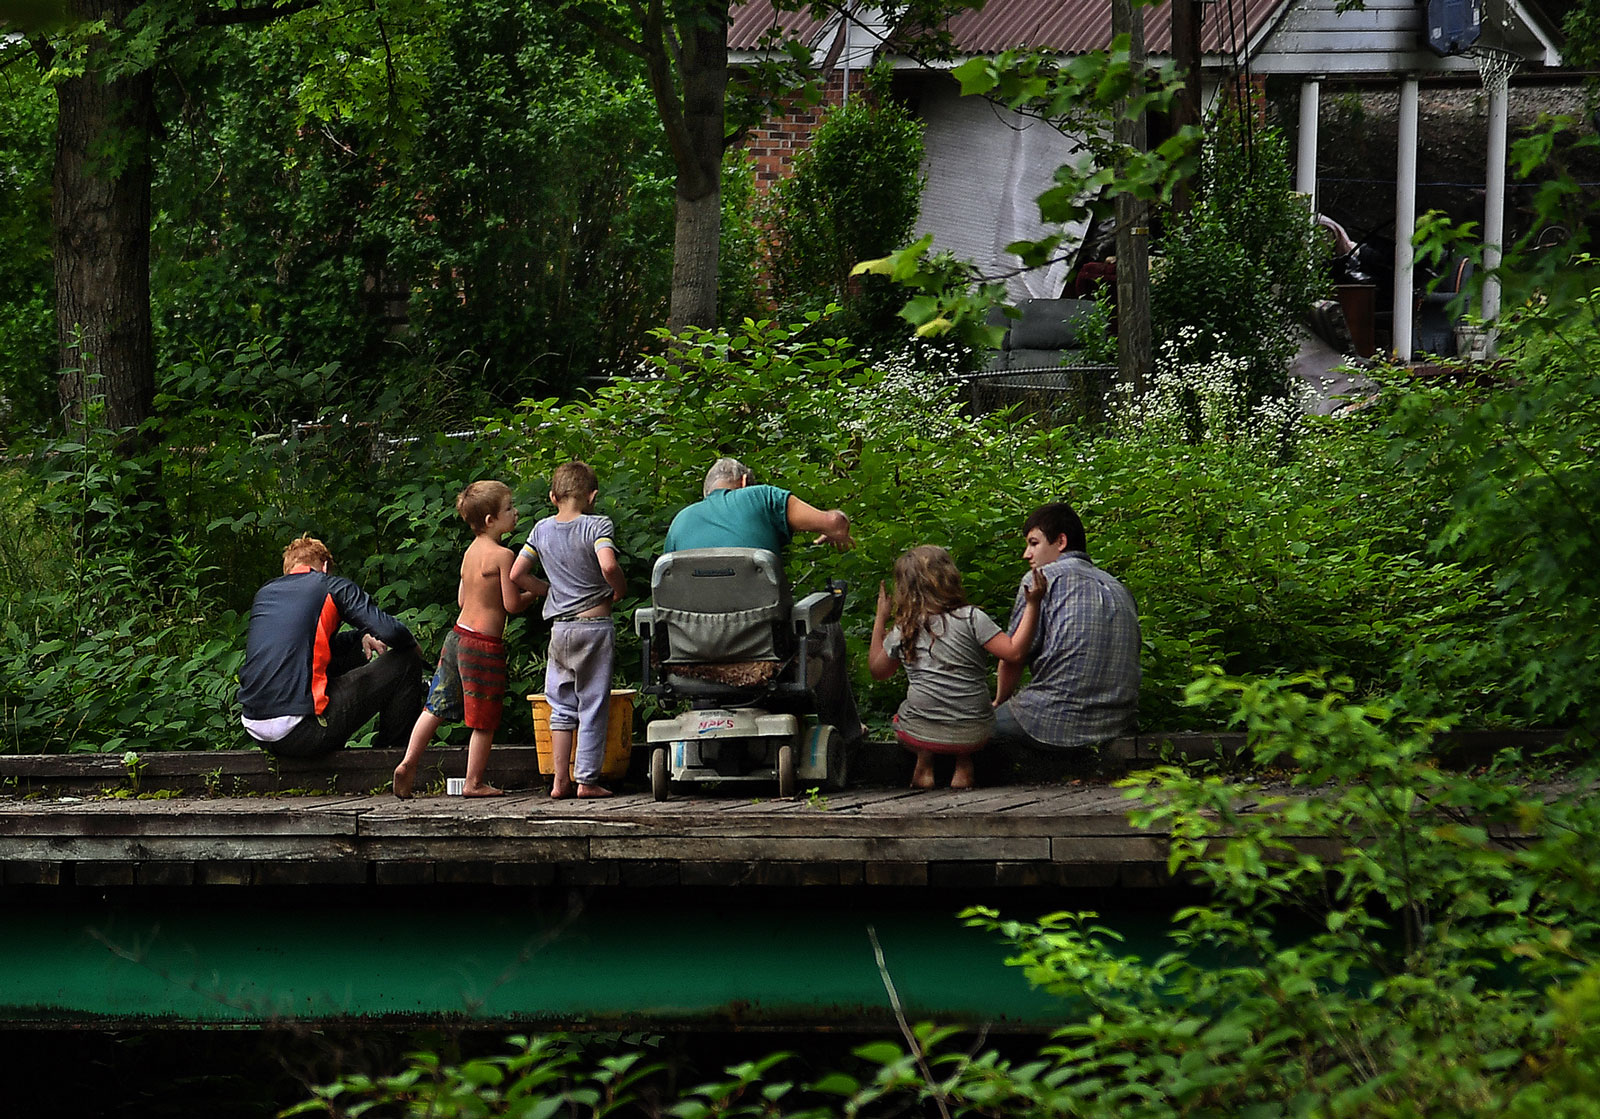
619	734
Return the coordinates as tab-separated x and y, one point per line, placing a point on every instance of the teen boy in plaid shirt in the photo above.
1084	687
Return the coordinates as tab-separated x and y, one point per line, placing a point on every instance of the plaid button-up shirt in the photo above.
1084	686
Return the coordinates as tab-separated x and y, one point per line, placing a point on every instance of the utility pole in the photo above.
1135	352
1186	106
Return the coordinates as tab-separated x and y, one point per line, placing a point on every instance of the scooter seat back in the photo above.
719	605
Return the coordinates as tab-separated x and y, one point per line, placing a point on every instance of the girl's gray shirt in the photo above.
949	679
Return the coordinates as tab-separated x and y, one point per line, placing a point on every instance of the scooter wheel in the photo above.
788	783
658	773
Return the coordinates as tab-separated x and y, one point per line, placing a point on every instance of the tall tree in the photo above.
684	44
100	216
696	134
104	58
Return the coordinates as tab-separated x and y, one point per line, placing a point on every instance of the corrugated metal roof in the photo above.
1069	26
1077	26
750	22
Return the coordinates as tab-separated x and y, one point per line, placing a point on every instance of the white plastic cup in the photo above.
455	786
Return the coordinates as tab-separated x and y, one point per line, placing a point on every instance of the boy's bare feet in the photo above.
593	792
482	791
405	779
560	790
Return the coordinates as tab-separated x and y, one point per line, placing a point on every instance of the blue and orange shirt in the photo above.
295	634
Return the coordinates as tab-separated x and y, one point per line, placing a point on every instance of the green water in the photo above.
682	958
232	1003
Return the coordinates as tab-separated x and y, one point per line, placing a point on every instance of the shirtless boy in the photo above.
470	684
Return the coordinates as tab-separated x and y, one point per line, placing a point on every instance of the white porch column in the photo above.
1494	198
1405	219
1305	177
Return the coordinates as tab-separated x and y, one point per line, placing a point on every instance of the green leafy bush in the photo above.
1514	461
550	1075
1237	275
109	639
854	195
1236	557
523	239
1379	938
27	308
1208	401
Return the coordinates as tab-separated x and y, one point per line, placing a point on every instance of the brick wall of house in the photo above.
776	142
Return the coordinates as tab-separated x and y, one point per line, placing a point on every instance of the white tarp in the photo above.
985	168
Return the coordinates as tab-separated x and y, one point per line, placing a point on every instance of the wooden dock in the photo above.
242	817
230	888
1028	836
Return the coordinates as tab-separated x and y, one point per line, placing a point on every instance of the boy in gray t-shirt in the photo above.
579	556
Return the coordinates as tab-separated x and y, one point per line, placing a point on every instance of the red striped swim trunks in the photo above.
470	683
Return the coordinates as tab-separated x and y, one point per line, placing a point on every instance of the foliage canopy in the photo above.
1238	554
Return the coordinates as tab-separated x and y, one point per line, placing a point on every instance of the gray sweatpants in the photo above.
577	684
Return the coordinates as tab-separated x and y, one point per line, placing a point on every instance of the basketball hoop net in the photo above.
1495	67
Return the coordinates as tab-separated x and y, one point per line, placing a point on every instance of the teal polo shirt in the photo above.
750	517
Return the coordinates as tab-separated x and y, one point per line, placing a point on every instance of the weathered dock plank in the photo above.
858	837
496	849
176	818
183	848
1071	832
820	849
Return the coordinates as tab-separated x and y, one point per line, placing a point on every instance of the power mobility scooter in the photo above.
723	633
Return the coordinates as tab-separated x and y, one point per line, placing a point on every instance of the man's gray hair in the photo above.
726	474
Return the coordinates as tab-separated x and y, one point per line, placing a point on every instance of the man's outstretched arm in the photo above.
830	525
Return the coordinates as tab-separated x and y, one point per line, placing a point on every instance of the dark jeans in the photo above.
1015	755
1009	736
391	686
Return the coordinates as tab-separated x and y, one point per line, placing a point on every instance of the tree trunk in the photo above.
696	255
698	235
101	215
1186	17
1135	349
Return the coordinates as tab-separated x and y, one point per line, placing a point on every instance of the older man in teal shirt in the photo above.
737	513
